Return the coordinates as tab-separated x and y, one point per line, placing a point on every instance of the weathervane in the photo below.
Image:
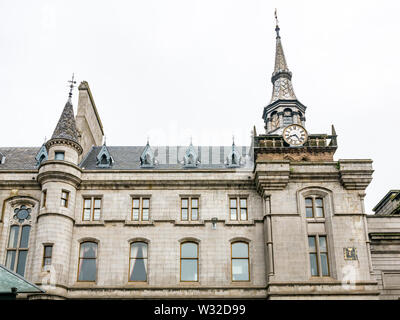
72	82
277	22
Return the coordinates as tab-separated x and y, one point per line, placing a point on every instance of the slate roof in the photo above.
167	157
128	157
21	158
66	126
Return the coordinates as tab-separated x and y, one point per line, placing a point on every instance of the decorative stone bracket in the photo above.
272	175
355	174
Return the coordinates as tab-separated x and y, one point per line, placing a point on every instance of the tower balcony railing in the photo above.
313	141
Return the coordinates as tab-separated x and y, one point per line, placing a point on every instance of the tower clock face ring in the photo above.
295	135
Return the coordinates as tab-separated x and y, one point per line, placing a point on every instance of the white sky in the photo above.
180	68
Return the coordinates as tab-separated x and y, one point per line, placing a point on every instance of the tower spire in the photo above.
281	77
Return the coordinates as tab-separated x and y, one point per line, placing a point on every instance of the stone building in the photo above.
277	219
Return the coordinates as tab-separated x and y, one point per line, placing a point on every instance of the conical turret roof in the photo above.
66	126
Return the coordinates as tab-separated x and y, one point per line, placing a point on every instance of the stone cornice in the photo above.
64	141
59	176
355	174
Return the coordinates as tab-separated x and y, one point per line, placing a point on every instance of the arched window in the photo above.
138	261
104	160
287	117
17	246
87	268
189	261
240	261
274	120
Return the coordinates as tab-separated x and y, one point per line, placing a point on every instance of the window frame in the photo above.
17	249
314	206
65	199
92	208
239	207
45	245
59	152
248	260
79	259
318	253
141	199
44	198
146	261
197	260
190	207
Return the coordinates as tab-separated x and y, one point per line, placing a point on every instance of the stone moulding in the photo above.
64	141
355	174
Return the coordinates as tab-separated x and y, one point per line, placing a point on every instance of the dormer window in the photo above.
234	160
59	155
190	160
41	155
104	159
2	158
147	159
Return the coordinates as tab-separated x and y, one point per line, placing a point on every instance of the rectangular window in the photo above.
141	209
190	209
91	209
314	207
318	252
44	199
64	198
59	155
238	208
47	254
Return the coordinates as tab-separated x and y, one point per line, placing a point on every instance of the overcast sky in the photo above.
177	69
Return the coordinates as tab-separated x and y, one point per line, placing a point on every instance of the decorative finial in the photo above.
277	22
190	140
45	139
148	140
105	139
72	82
233	140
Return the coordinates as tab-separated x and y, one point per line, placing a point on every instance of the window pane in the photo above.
309	213
319	212
184	214
13	240
313	264
318	202
189	250
189	270
243	214
10	261
311	243
59	156
243	203
48	250
324	264
184	203
145	214
96	214
233	214
86	214
240	269
87	270
21	262
25	236
88	250
138	270
308	202
240	250
47	261
322	244
195	203
97	203
139	250
233	203
135	214
135	203
194	214
146	203
88	203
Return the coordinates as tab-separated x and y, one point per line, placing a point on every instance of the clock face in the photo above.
295	135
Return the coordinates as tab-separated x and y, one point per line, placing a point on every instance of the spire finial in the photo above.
72	82
105	140
233	139
277	24
148	140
